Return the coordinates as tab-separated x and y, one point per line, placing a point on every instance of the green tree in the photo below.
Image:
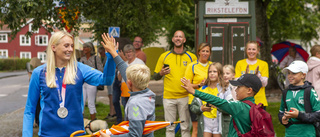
145	18
278	20
185	22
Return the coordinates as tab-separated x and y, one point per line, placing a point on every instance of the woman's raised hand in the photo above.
109	44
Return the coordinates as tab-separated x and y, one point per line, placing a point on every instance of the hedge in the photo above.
12	64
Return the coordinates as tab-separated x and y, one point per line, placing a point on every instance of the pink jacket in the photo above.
313	74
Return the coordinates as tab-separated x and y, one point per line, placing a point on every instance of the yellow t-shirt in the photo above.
178	64
213	113
240	69
195	72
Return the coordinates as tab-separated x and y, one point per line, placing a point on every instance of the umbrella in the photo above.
123	128
281	50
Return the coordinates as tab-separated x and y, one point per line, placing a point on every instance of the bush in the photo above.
12	64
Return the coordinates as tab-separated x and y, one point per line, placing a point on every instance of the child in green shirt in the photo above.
293	116
247	86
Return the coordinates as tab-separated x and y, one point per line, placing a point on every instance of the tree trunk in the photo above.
263	34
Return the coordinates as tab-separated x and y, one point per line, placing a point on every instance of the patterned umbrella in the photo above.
281	50
123	128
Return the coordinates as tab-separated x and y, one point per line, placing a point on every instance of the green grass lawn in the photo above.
273	109
103	111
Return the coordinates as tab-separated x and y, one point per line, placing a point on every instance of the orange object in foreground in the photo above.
123	128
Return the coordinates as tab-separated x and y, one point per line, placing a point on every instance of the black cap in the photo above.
248	80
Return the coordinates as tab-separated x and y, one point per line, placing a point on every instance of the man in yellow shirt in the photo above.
174	96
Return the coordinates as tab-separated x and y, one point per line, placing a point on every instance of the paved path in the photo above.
12	74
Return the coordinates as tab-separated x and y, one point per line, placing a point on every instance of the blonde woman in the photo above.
197	73
59	82
253	65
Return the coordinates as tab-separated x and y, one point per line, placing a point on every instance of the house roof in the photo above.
4	28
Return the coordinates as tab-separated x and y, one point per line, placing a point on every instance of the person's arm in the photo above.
309	117
122	67
282	119
95	77
111	47
264	80
31	104
264	74
284	62
157	76
109	70
195	106
160	71
229	107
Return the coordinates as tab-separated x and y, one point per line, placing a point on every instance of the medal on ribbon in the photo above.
62	111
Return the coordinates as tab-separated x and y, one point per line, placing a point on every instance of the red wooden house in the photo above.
22	46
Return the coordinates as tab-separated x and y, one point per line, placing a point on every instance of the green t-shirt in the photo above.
238	110
295	99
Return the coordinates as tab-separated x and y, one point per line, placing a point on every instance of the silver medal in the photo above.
62	112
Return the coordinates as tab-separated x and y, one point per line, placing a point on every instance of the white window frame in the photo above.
25	44
40	56
25	53
30	28
4	50
6	38
43	43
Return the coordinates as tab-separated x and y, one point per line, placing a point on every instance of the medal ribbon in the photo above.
62	95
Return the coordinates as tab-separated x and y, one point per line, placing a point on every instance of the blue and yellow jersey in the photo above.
178	64
208	90
195	72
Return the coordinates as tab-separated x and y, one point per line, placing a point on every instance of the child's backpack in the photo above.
261	122
307	106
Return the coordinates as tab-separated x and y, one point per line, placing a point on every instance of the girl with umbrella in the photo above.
253	65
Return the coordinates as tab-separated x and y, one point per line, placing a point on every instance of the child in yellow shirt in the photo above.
208	123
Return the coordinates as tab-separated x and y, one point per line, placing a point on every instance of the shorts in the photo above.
110	89
194	117
211	125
